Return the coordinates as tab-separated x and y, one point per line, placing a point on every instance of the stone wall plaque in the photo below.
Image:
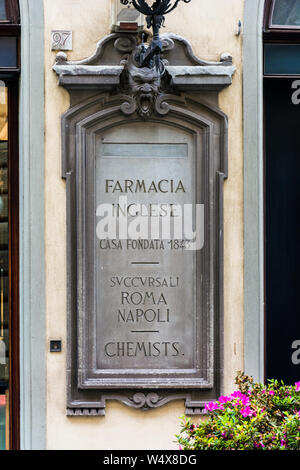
146	323
144	312
61	40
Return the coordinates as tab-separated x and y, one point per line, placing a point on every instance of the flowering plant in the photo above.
256	417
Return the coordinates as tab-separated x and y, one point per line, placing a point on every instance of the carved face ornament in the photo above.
144	84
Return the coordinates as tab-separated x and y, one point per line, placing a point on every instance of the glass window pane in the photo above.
282	59
286	13
4	266
2	10
8	52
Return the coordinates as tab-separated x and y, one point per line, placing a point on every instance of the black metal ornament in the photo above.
155	18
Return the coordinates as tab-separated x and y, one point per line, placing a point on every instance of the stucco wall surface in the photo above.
210	25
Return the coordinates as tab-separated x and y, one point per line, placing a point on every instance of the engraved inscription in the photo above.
61	40
146	304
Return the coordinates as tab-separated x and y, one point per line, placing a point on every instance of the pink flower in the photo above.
237	394
245	412
237	398
213	405
271	392
297	384
240	397
224	399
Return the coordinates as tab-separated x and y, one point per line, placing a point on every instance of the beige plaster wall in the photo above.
210	25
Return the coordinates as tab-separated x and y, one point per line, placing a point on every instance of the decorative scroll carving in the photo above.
167	44
129	106
146	401
125	43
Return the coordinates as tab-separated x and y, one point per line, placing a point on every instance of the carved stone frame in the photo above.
90	112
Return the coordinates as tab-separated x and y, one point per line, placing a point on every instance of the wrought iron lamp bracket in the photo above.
155	18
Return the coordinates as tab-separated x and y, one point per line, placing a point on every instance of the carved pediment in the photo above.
103	69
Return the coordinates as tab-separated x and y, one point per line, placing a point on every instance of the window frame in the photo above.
11	26
12	12
14	333
10	76
275	33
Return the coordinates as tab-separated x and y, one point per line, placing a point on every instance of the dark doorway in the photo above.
282	241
